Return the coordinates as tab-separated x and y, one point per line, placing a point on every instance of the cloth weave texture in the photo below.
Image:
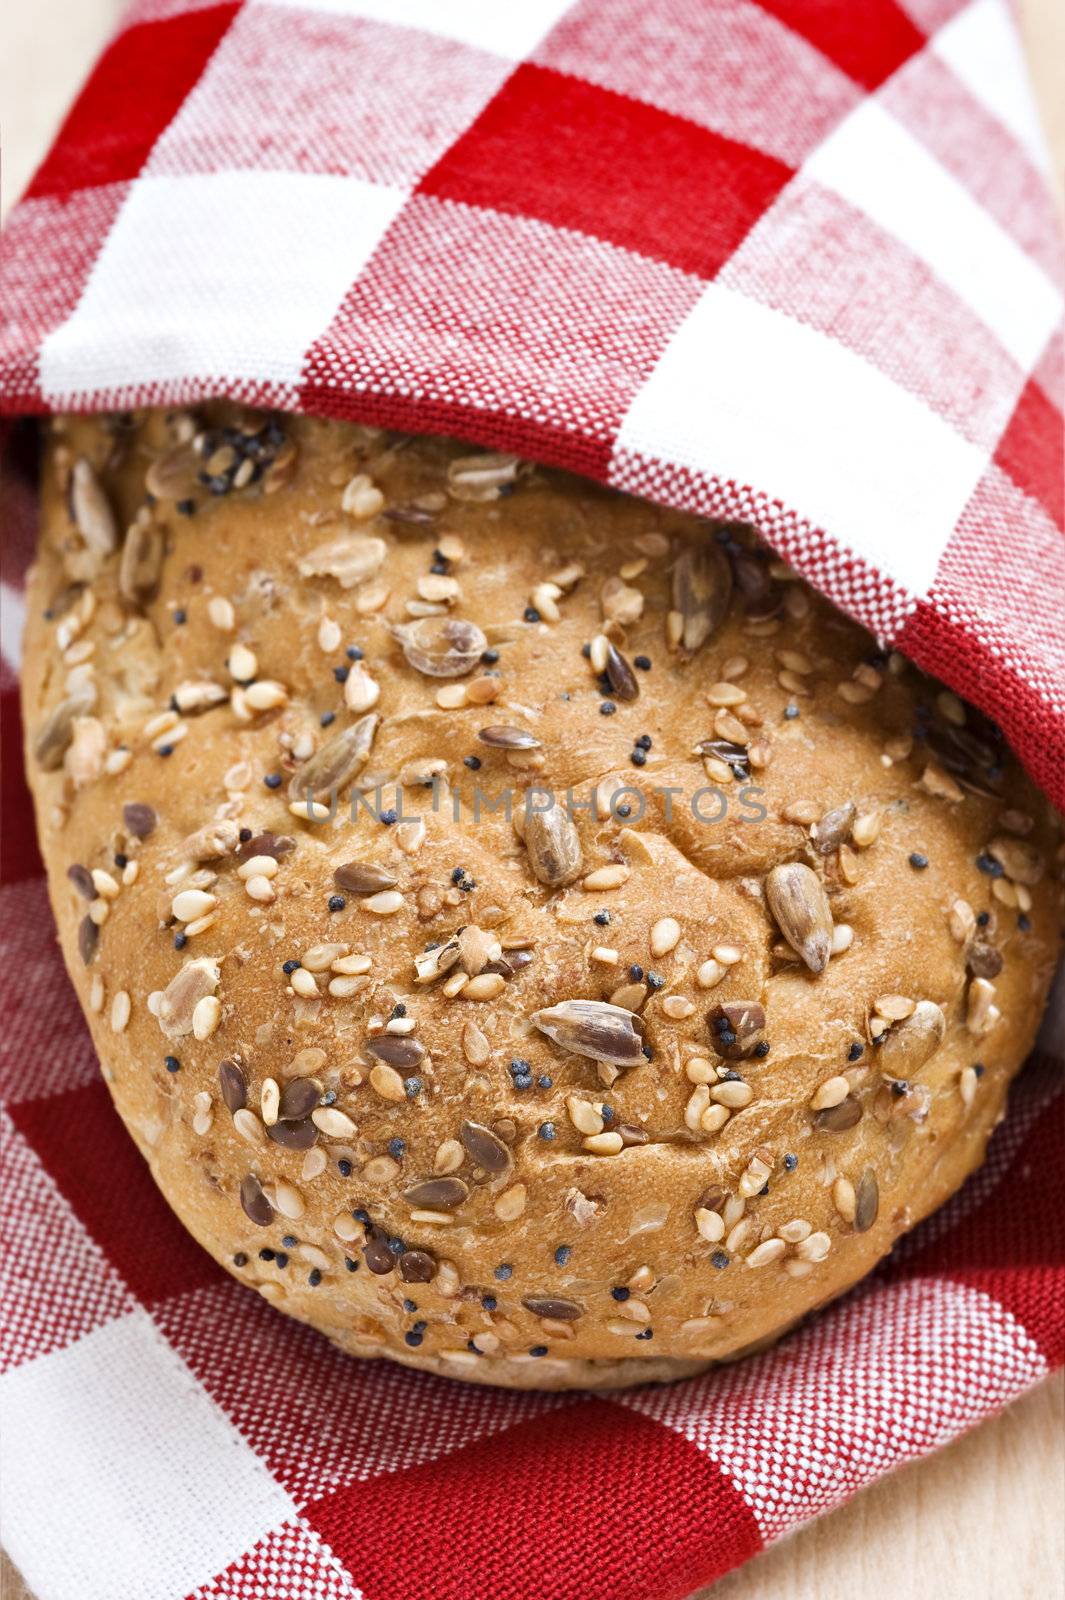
792	263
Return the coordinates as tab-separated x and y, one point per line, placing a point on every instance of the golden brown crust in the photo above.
883	872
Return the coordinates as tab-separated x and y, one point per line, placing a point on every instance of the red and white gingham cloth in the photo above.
786	261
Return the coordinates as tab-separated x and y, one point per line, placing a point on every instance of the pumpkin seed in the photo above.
442	648
233	1084
866	1201
484	1147
912	1043
737	1029
363	877
837	1119
299	1098
438	1194
257	1207
396	1049
833	828
594	1028
554	1308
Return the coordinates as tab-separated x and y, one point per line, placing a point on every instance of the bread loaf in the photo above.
528	933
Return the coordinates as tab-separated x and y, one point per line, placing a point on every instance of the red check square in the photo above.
869	43
557	148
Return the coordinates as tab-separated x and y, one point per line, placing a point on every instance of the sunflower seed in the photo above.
484	1147
337	762
91	510
702	589
594	1028
482	477
800	906
438	1194
141	565
554	846
53	738
442	649
623	680
504	738
178	1001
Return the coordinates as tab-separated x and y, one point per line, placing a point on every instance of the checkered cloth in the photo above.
785	261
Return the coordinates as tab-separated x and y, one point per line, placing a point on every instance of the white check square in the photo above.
114	1433
759	399
873	162
218	277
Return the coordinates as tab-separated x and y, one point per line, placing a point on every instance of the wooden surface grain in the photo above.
984	1517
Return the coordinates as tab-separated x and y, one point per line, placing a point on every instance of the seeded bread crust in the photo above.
349	1050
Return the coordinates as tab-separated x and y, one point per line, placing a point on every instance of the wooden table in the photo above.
985	1516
